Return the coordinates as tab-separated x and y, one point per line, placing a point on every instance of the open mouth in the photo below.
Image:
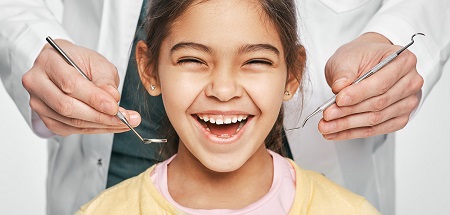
223	126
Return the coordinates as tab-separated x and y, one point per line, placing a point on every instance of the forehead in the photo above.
225	20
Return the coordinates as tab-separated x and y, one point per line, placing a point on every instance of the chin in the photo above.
224	163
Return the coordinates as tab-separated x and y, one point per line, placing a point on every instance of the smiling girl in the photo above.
224	68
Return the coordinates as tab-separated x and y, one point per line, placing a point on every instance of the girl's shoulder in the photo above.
136	195
315	194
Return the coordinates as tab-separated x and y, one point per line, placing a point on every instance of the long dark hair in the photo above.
282	13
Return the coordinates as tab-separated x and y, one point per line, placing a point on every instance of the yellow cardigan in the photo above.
315	194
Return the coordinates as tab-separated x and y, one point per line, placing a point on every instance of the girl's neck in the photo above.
193	185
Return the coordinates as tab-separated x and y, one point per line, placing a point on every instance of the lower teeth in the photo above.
226	136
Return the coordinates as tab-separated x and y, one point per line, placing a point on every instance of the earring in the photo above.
153	87
287	93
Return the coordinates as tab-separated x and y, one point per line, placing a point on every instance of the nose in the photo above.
224	85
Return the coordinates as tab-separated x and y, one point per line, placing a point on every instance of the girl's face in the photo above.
222	76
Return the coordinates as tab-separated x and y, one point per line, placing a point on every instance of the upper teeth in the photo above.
222	119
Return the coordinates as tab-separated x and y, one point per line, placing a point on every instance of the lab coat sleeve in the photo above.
24	25
398	20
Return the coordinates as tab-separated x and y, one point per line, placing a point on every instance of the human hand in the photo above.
379	104
68	103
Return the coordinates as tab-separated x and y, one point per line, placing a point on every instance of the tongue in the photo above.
224	129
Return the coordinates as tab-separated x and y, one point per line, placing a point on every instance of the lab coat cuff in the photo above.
39	127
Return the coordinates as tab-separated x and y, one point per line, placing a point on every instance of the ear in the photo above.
291	87
295	74
145	68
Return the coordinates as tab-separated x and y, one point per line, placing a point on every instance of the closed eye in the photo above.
260	62
187	60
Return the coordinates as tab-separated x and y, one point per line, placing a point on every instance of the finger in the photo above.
71	82
72	108
44	111
74	85
370	119
63	129
59	125
378	83
93	64
389	126
408	85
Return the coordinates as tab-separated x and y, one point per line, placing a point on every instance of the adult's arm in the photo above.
61	101
385	102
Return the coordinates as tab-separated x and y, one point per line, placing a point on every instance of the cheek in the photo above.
178	93
267	92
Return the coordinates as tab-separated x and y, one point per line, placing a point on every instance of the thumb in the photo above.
339	74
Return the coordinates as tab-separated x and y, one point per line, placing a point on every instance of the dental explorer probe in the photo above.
372	71
119	114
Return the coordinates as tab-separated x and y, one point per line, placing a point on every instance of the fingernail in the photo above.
328	127
134	119
344	101
107	107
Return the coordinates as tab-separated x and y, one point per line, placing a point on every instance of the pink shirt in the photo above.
278	200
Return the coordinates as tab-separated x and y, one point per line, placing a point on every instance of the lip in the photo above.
217	140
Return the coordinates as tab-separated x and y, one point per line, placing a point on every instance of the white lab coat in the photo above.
78	164
366	166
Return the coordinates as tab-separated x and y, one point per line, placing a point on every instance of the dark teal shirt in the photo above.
129	155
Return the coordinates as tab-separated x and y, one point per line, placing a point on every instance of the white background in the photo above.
422	160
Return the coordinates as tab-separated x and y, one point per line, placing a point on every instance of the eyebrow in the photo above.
258	47
243	49
190	45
